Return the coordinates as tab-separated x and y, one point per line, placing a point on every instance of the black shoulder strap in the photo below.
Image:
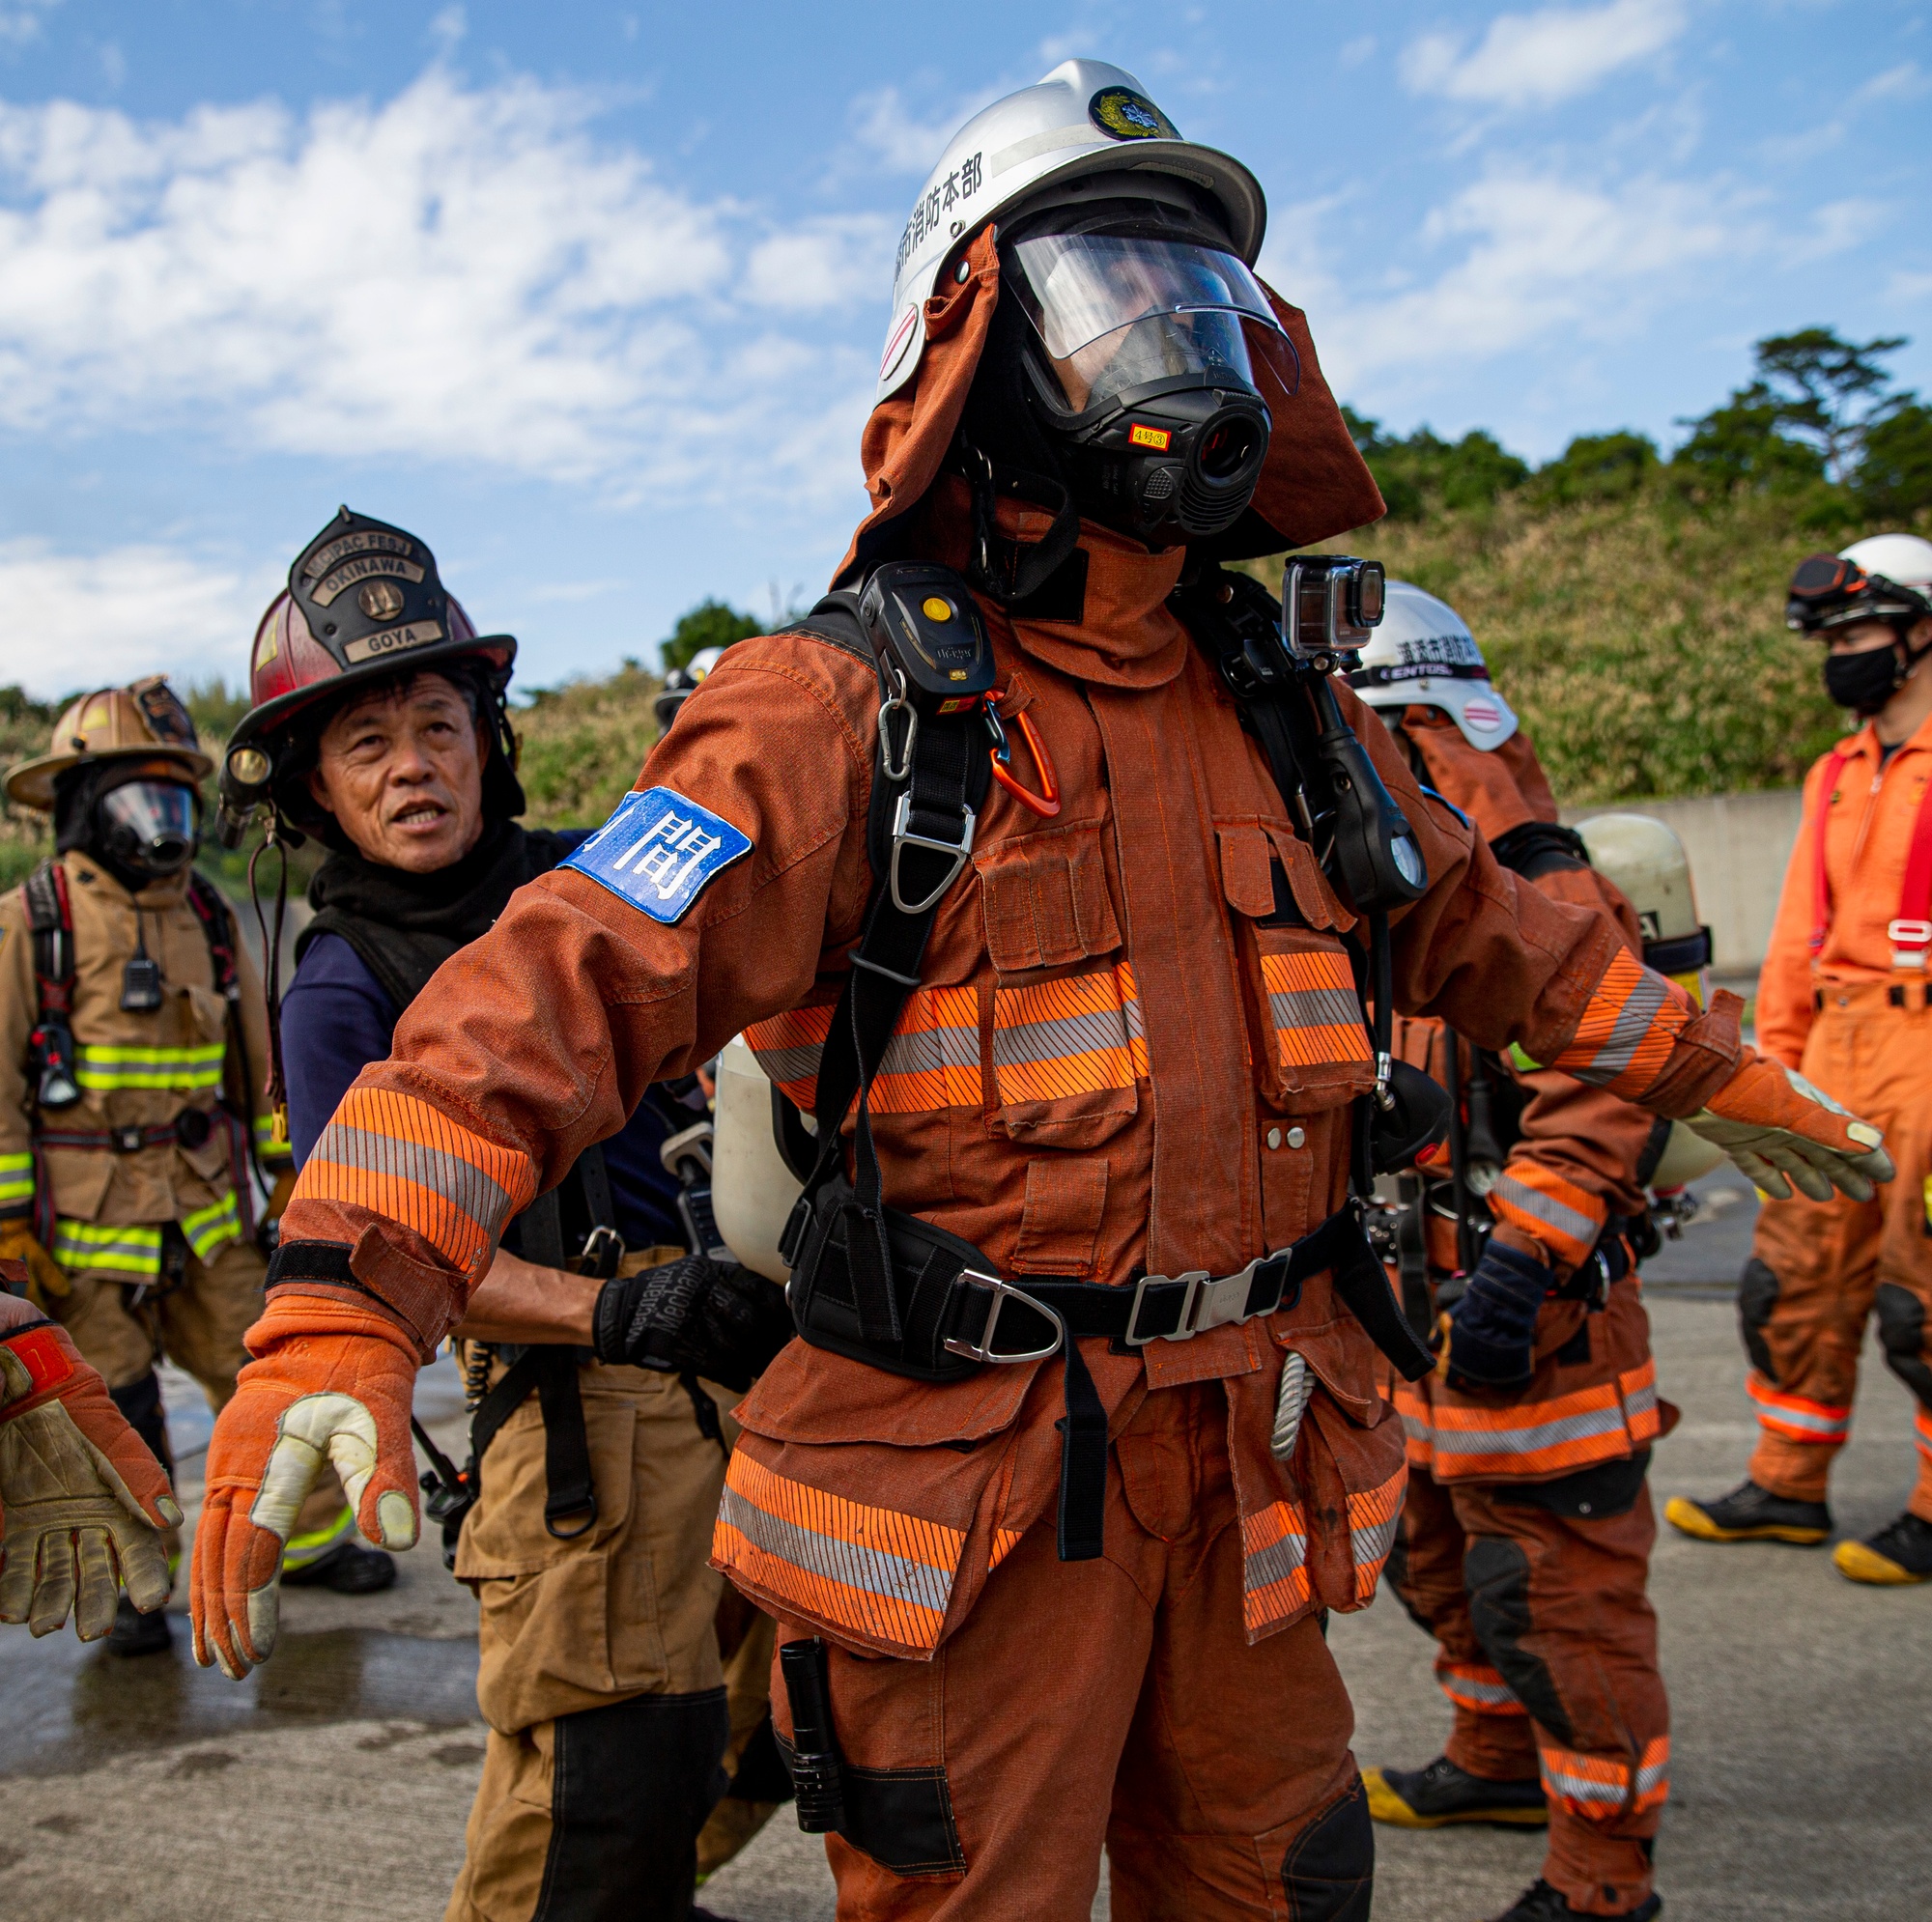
51	919
218	927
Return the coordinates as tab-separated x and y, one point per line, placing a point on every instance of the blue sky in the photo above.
591	296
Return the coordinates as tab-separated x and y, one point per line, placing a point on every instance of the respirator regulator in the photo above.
1137	368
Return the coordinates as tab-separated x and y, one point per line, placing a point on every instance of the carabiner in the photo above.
1046	804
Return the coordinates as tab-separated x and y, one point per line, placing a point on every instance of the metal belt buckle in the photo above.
902	837
1194	1279
1208	1303
1908	941
985	1351
126	1141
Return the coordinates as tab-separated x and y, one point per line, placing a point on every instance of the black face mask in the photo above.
1865	681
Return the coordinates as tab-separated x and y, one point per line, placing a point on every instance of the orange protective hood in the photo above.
1314	483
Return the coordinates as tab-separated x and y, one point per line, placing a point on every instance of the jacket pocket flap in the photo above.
1317	901
1245	879
1046	899
813	1395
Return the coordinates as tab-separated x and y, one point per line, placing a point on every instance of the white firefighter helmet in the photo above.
1085	117
1906	558
1423	655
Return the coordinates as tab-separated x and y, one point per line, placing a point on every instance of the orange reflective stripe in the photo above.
788	1048
1005	1542
1629	1028
1313	1006
1564	1218
886	1575
1372	1520
1642	1411
1794	1418
1075	1036
1477	1687
933	1060
1529	1437
1275	1571
1600	1788
407	1162
1416	1433
1922	1428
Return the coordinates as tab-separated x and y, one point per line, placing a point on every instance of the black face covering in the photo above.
1865	681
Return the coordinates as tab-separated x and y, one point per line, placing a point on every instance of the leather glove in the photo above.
1492	1327
47	1279
331	1381
1774	1124
694	1316
82	1501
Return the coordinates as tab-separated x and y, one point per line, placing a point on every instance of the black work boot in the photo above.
1900	1552
1750	1514
137	1634
349	1569
1540	1902
1442	1793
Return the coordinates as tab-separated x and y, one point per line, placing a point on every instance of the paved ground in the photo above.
334	1781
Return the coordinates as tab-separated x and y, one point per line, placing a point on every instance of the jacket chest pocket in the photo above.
1306	1033
1065	1054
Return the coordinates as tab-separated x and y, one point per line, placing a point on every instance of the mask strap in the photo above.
1011	570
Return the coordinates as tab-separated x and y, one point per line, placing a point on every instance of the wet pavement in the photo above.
335	1780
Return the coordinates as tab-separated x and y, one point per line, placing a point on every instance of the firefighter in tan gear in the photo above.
1525	1542
1082	1435
1846	994
132	1060
619	1699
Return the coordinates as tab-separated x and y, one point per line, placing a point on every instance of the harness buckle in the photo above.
1909	942
126	1141
1001	1291
1209	1303
903	837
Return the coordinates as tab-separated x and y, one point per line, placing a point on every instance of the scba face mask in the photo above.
149	828
1138	368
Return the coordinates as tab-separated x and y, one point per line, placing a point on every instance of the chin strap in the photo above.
1007	569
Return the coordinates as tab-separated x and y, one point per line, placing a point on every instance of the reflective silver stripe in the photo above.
1315	1008
866	1569
1275	1563
1813	1419
1653	1775
1641	1400
1103	1030
930	1051
1130	1008
788	1065
1371	1545
1493	1694
460	1183
1570	1223
1633	1024
1580	1789
1528	1441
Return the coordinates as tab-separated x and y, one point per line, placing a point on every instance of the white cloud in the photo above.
1905	82
903	144
107	617
20	20
457	275
1539	59
1533	258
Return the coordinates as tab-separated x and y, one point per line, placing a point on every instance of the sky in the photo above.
591	296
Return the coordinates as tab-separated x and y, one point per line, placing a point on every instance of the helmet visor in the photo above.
152	823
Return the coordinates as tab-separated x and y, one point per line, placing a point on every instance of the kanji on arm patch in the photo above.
659	852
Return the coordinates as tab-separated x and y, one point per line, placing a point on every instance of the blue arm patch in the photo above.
1443	800
659	852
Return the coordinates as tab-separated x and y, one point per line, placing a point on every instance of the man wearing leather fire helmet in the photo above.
1082	1434
1844	996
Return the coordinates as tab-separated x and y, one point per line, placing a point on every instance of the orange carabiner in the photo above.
1046	804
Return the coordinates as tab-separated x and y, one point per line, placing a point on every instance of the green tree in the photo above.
709	624
1422	472
1599	466
1895	477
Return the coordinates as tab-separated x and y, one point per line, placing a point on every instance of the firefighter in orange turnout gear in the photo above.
1846	996
1525	1538
1033	1572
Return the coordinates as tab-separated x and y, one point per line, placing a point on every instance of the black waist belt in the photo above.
189	1129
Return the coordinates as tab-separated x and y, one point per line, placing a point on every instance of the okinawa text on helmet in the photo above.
1424	655
364	601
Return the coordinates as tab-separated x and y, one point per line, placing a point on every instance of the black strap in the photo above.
551	1371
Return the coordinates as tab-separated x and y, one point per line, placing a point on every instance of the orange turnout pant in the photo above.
1820	1270
1548	1650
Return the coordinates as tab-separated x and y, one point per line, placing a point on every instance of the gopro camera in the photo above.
1330	603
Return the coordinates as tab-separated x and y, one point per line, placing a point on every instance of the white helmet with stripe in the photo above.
1085	117
1423	655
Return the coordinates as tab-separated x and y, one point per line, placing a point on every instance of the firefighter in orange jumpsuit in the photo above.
1525	1542
1035	1569
1845	994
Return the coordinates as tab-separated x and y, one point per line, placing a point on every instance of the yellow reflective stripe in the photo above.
304	1549
16	1177
99	1065
207	1229
126	1248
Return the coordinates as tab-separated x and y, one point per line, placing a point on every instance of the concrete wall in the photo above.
1737	845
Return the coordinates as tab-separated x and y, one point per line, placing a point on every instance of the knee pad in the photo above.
1496	1575
1329	1873
1757	1296
140	1406
1901	1333
1591	1494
